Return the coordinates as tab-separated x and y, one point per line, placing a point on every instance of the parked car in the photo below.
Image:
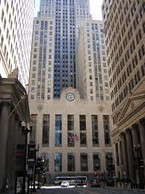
79	183
95	183
65	184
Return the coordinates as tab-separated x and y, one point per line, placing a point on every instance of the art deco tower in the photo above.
68	90
56	27
58	31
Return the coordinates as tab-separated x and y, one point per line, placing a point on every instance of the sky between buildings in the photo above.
95	8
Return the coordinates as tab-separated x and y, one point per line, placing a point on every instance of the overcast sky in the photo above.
95	8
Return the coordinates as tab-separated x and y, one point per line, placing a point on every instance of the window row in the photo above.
129	69
84	161
73	136
128	89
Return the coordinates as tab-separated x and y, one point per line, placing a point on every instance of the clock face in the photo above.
70	96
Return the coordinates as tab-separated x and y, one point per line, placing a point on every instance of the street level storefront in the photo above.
129	140
13	110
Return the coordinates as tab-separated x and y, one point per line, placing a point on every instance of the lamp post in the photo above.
110	169
45	159
34	168
26	129
40	168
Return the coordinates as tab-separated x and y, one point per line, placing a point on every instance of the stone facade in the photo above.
13	110
128	137
124	30
71	104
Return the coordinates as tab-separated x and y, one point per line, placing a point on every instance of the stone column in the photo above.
117	159
11	152
3	141
120	153
136	142
130	155
120	156
135	135
124	156
142	139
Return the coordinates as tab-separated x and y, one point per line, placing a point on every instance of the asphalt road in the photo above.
87	190
62	191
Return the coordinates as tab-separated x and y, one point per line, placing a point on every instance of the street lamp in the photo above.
26	128
39	169
110	168
34	168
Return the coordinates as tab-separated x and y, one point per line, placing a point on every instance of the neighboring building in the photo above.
14	110
69	99
16	18
125	46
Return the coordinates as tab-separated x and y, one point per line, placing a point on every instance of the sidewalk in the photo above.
38	191
126	189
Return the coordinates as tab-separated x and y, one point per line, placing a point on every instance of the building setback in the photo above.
15	37
125	46
68	91
92	74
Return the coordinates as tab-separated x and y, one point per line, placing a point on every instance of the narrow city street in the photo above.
87	190
72	96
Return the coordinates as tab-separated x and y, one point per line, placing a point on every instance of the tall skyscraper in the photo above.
125	45
60	27
66	17
68	91
15	37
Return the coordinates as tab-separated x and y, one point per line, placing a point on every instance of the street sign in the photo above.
31	151
31	155
20	153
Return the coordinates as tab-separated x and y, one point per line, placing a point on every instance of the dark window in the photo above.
106	129
45	132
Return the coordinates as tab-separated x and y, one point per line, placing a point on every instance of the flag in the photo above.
73	137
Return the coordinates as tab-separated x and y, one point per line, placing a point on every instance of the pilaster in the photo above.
125	171
142	139
5	109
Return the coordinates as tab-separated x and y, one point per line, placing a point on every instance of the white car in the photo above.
65	184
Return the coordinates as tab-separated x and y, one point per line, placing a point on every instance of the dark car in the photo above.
80	183
95	183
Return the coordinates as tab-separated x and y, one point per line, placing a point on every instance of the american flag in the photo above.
73	137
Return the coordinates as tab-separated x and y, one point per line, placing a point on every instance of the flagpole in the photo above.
22	98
